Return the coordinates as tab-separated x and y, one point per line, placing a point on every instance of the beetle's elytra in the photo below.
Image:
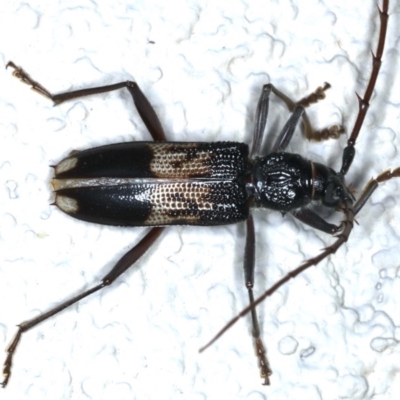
174	183
157	184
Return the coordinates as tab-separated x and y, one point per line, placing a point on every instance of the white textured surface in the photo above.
331	334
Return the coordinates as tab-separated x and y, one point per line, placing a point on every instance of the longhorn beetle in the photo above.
164	183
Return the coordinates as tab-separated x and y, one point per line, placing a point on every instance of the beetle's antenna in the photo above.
363	102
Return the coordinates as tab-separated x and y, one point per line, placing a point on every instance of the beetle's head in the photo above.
335	193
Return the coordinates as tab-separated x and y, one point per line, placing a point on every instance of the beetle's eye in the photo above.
333	195
337	192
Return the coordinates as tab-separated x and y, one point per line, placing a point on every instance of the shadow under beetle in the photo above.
164	183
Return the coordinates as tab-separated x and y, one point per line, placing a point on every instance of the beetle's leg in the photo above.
314	97
332	132
372	186
260	120
287	132
363	103
25	78
249	262
291	105
120	267
146	111
311	218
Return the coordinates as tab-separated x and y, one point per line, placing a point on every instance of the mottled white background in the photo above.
333	333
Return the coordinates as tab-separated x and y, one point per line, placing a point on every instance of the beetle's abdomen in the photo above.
155	184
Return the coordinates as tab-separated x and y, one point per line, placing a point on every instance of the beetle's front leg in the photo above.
311	218
145	109
372	185
120	267
332	132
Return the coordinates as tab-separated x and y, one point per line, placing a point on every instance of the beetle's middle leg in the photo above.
120	267
249	262
145	109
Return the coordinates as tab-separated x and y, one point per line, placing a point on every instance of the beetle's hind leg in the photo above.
129	259
145	109
25	78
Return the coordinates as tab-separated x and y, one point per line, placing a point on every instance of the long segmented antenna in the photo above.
363	103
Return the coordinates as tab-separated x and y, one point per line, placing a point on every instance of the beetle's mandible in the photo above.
161	183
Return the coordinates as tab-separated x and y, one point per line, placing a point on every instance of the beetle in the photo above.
184	153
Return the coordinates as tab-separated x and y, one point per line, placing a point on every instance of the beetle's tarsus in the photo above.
25	78
6	370
265	369
332	132
10	353
314	97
